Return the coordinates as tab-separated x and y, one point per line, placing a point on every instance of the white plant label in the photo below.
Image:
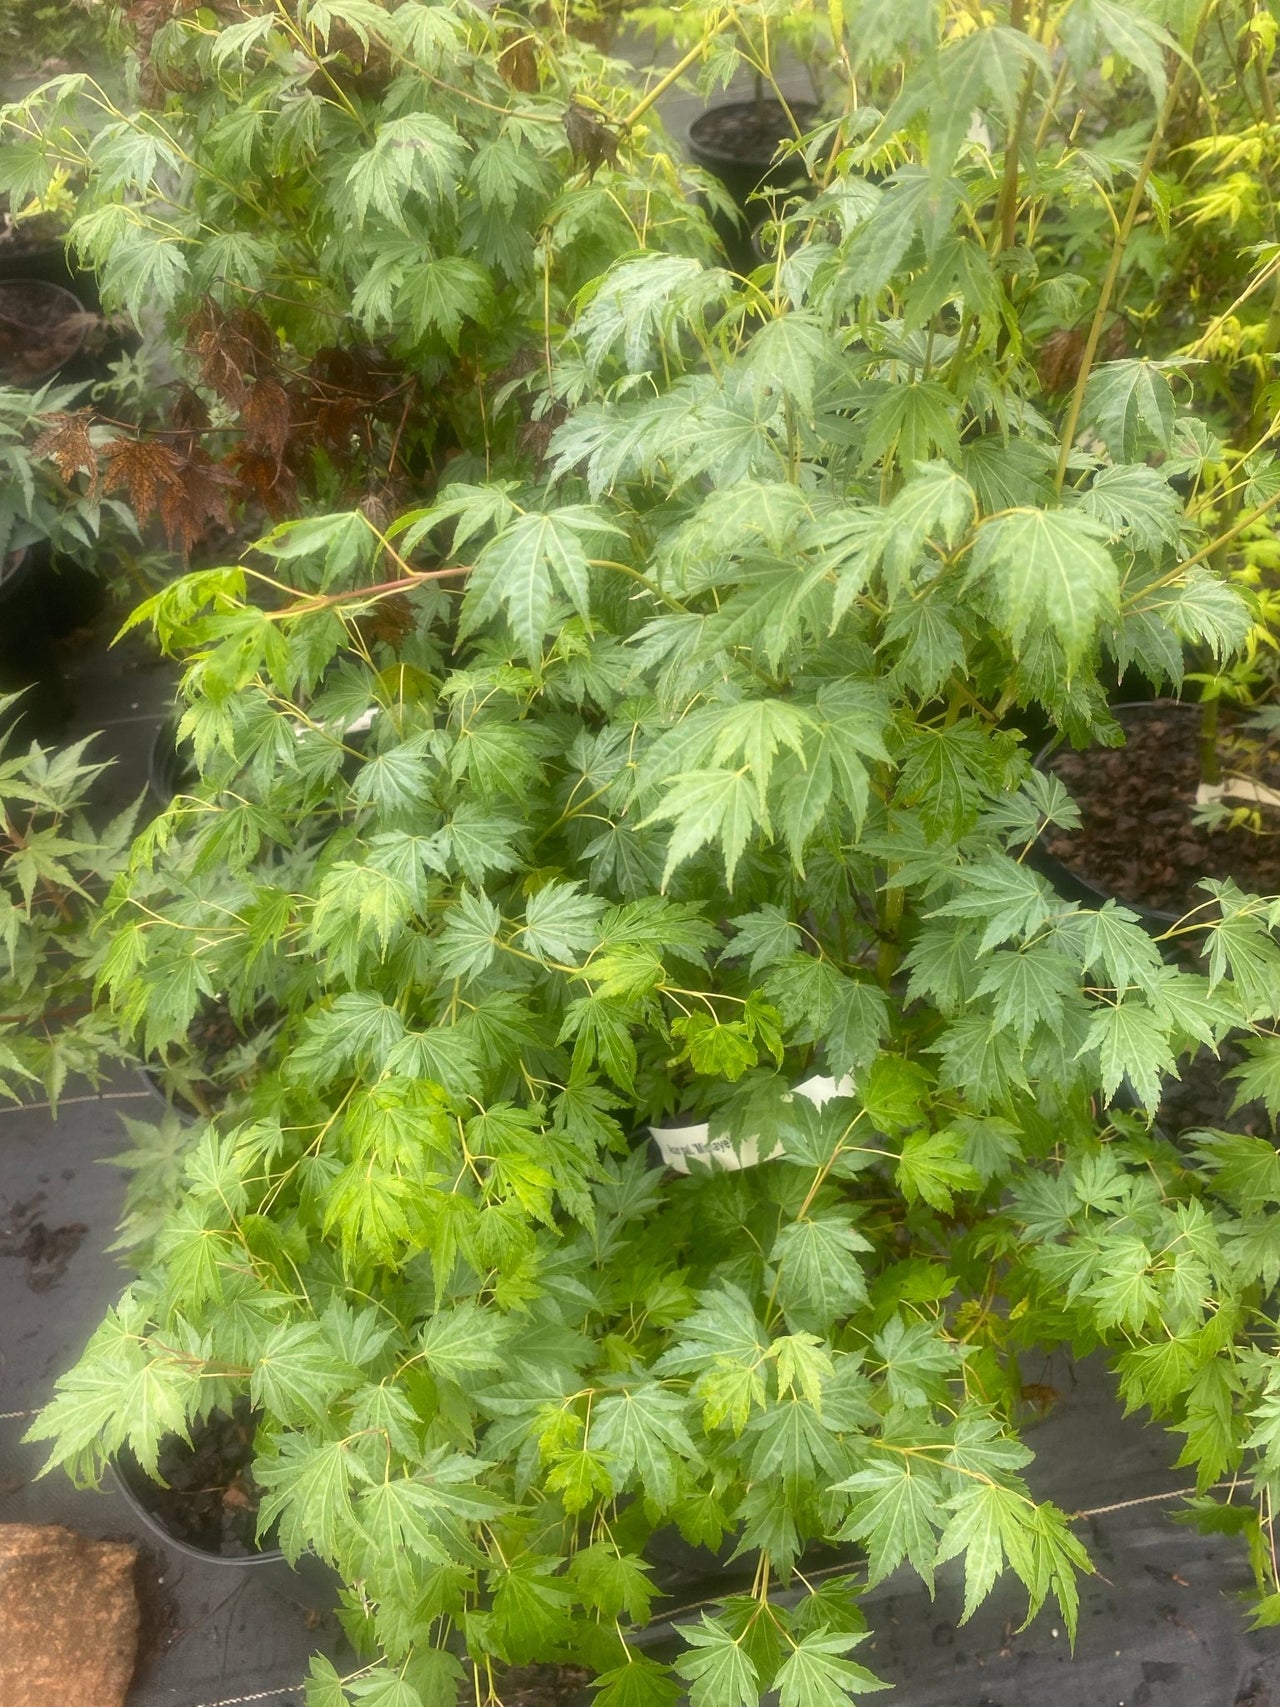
679	1145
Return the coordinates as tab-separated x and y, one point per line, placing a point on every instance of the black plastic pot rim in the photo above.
800	109
32	382
237	1561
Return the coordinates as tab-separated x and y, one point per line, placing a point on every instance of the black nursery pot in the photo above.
736	141
229	1546
42	330
28	658
172	765
47	261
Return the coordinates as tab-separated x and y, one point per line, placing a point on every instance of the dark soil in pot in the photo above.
1203	1097
210	1500
42	326
544	1686
1137	841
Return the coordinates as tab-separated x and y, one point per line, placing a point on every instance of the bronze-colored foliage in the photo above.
145	468
518	64
66	440
232	350
199	498
266	415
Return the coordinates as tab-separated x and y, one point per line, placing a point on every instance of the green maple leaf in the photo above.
469	940
1132	1043
819	1276
642	1682
932	1167
643	1432
710	806
309	1492
297	1375
526	564
816	1674
718	1671
1049	567
980	1513
896	1511
1258	1076
1246	1171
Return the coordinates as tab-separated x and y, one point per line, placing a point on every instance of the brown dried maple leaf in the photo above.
518	64
233	350
590	142
391	622
265	481
144	467
267	416
189	415
1062	352
200	496
66	439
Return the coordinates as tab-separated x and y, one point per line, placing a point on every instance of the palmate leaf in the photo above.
309	1492
297	1373
1204	611
1246	1171
1048	566
710	806
816	1674
643	1431
1136	501
642	1682
641	306
1132	1044
383	1687
439	295
1129	403
417	153
898	1508
524	567
787	355
717	1668
819	1276
1258	1076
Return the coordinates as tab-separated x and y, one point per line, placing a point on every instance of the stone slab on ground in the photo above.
68	1618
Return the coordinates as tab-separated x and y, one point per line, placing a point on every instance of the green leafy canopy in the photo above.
672	773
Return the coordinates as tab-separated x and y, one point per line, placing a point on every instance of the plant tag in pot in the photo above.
679	1145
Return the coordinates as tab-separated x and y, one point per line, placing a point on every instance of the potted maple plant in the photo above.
687	778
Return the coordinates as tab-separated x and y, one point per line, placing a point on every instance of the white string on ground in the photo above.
13	1416
262	1695
66	1102
1146	1499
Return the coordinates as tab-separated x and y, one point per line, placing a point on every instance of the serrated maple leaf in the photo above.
233	350
144	467
189	414
66	440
